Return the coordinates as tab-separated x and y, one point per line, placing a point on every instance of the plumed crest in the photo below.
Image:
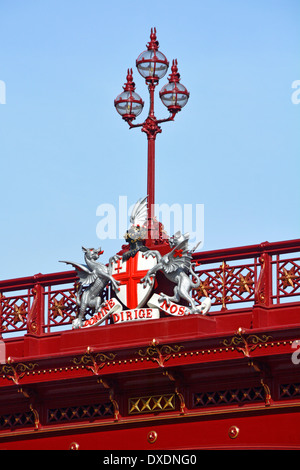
139	212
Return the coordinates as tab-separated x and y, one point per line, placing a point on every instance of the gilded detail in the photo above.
159	354
246	349
151	403
93	362
17	371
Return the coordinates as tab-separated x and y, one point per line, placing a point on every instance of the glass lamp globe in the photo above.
128	103
152	64
174	95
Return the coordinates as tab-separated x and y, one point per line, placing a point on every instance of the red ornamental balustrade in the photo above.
264	275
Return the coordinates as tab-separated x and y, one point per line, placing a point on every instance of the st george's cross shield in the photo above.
132	292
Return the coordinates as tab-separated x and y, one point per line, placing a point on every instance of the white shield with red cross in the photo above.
132	292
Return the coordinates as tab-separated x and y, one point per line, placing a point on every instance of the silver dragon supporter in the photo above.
177	267
93	279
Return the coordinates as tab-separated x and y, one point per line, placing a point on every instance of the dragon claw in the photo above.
77	323
163	297
146	280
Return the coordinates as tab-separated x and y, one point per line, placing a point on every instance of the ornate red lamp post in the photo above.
152	65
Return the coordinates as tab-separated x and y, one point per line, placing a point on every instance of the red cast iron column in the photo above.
151	128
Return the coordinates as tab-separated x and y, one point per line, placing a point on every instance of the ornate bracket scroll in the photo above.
17	371
163	352
160	355
178	382
263	372
249	342
111	394
93	362
31	395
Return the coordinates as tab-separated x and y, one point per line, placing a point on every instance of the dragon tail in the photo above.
196	284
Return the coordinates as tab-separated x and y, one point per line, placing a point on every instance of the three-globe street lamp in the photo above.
152	65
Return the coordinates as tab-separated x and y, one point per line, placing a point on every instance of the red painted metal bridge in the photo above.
230	379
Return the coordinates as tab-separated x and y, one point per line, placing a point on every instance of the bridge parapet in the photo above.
264	275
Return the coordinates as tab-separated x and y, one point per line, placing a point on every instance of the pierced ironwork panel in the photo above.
227	284
17	420
14	311
228	397
290	390
62	306
71	413
287	278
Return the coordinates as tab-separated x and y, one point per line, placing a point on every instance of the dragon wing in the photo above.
179	257
139	212
86	277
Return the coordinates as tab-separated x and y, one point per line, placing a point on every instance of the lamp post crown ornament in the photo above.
175	75
153	44
135	294
129	85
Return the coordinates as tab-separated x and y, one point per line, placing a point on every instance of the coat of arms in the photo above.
132	278
133	292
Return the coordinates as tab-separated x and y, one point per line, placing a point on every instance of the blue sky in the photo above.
64	149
